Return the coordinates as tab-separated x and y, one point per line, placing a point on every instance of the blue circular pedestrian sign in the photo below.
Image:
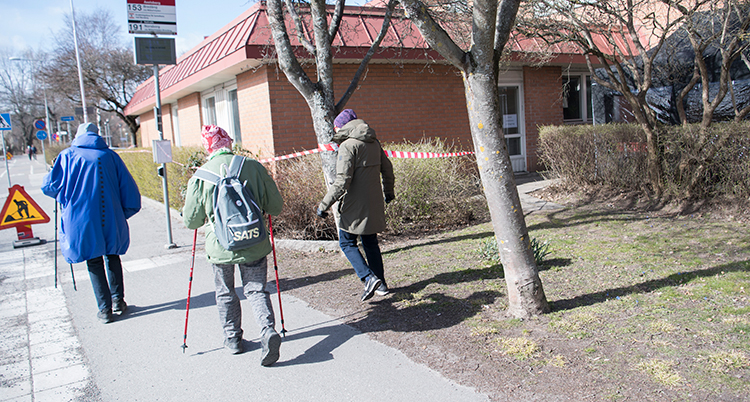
40	124
42	135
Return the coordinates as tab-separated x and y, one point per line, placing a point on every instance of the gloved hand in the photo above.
321	213
389	198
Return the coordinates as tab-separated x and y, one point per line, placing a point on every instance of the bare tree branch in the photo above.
366	60
300	27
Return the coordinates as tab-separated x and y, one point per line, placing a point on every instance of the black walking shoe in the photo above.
234	345
119	306
105	316
270	341
371	283
382	290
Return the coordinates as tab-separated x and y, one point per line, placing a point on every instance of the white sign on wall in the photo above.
510	121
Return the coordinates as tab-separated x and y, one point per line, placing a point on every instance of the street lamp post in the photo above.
78	63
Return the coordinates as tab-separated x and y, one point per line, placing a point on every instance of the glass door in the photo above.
512	119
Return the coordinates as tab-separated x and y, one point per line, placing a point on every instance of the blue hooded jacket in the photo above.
97	194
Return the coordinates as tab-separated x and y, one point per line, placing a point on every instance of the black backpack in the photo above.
238	222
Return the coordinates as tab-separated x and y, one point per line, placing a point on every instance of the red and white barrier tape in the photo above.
321	147
424	155
390	154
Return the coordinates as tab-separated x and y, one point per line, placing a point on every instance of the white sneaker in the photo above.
382	290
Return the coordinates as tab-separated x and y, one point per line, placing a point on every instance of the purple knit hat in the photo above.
344	117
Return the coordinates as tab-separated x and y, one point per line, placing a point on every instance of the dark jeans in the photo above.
374	263
107	285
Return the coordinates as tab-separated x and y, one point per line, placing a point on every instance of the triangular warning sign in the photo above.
3	123
20	209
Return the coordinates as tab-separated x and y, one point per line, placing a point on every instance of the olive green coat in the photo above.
357	189
199	207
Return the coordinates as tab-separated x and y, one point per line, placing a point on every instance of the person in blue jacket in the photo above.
97	195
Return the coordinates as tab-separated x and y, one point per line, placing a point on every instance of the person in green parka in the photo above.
252	262
359	198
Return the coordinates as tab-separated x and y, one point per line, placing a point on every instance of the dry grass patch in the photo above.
725	361
518	348
575	325
557	361
484	331
661	326
661	371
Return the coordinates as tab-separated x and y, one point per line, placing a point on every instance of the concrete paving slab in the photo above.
56	361
59	377
68	392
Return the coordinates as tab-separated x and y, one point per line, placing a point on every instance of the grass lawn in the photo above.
645	306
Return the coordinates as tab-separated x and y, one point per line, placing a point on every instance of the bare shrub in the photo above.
302	185
610	154
434	193
430	193
726	175
614	155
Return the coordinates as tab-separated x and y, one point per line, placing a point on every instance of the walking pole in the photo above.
55	244
73	275
190	288
276	270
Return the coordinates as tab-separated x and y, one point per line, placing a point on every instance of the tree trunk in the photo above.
653	157
323	111
525	293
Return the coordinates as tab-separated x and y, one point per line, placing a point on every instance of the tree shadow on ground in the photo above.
427	312
554	263
647	286
554	221
295	283
440	241
409	308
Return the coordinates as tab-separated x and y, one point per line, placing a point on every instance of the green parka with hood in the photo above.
357	188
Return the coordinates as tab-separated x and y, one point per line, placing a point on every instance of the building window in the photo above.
577	98
176	125
221	107
209	110
235	116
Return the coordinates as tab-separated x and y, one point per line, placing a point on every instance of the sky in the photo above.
32	23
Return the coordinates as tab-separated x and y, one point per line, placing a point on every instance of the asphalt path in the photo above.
52	347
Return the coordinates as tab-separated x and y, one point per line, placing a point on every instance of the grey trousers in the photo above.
253	277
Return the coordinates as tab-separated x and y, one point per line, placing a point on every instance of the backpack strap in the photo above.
235	167
206	175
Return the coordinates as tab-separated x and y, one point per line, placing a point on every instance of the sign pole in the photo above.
170	243
155	17
5	125
5	154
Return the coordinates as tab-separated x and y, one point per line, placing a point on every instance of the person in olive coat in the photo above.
359	198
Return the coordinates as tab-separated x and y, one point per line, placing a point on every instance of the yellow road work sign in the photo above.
20	209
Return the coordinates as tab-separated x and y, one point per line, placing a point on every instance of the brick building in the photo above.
408	92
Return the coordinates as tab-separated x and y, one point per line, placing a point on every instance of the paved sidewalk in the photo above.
53	349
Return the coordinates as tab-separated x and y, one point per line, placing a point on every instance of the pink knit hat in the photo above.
214	137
